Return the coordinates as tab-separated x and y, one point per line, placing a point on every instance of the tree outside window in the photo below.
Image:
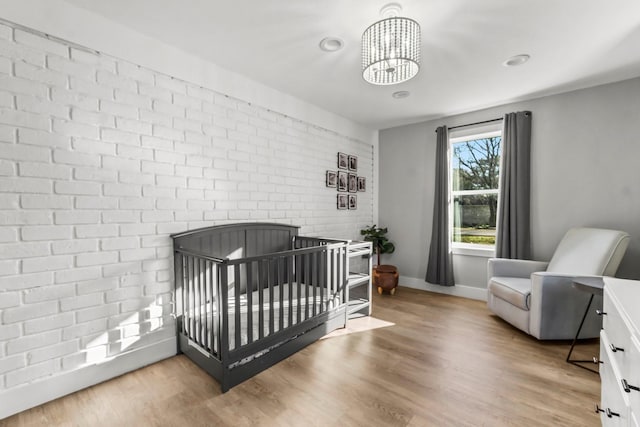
475	164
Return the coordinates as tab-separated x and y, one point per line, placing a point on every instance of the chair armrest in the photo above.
502	267
557	307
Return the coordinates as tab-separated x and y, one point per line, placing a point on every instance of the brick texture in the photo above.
100	160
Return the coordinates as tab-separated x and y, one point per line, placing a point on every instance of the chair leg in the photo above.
575	340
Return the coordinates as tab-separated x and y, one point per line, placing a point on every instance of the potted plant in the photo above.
384	276
377	236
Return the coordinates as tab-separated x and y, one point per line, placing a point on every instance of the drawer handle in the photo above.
615	349
607	411
627	387
596	361
601	313
611	414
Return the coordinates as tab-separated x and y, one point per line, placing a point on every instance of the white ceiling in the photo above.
572	43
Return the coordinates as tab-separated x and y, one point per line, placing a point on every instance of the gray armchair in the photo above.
538	297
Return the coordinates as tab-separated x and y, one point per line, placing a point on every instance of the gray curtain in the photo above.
440	267
513	238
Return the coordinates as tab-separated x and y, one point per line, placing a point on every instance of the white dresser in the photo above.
620	353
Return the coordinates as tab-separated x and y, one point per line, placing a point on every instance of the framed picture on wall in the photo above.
362	183
343	161
353	163
353	183
343	201
332	179
353	201
343	183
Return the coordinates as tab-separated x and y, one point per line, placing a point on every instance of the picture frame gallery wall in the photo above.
346	181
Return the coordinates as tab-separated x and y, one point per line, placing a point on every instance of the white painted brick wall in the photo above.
100	160
48	293
55	322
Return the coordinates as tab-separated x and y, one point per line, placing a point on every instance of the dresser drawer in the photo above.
614	402
618	334
632	376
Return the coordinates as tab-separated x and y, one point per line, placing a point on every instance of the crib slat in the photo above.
190	296
314	274
223	304
212	332
206	305
336	273
307	282
196	309
249	302
330	281
334	277
323	283
345	275
203	302
201	305
280	282
270	279
327	273
299	285
185	290
261	282
180	261
215	271
196	298
290	287
236	290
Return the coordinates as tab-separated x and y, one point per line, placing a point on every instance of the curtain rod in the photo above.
476	123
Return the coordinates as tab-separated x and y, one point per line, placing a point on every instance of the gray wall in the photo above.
585	156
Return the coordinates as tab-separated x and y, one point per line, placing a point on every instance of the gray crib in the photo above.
249	295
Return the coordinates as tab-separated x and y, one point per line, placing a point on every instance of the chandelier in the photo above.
391	48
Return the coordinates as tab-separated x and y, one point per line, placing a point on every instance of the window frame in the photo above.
469	134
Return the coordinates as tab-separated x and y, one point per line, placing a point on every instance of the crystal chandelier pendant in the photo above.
391	49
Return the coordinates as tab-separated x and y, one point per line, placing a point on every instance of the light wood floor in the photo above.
446	362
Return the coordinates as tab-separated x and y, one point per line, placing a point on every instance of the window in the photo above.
475	178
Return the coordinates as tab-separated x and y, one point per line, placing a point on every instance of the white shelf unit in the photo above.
359	266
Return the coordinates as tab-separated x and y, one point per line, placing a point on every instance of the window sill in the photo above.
473	250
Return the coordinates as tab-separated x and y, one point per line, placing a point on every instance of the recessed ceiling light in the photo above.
331	44
516	60
401	94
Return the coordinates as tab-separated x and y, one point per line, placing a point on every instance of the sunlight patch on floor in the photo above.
360	324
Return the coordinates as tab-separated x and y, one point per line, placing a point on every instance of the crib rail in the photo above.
307	242
233	308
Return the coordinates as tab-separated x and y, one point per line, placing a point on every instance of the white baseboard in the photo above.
471	292
21	398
